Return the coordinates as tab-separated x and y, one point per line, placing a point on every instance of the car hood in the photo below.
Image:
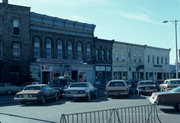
76	88
29	92
163	93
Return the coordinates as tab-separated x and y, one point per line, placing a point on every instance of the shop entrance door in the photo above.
74	75
45	77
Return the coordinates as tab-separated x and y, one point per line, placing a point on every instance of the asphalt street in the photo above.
12	112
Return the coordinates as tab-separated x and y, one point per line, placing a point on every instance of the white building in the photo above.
138	62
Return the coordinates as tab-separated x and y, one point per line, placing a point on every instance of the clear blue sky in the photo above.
132	21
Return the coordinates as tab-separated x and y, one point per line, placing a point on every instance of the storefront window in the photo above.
36	47
79	50
48	48
59	49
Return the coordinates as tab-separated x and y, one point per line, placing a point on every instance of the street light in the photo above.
175	24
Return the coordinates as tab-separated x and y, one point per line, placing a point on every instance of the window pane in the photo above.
79	51
88	52
16	51
36	47
48	48
15	23
59	49
69	50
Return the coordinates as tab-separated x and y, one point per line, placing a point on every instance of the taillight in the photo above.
106	90
82	91
127	89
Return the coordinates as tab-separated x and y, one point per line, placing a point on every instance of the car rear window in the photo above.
113	84
146	83
79	85
32	88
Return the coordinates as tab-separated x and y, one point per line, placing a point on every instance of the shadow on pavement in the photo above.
169	110
13	115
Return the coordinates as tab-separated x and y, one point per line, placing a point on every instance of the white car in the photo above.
146	87
116	88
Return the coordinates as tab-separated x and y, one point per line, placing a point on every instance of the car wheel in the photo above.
88	96
9	92
43	100
57	96
22	102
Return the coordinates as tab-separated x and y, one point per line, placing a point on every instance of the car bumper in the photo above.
153	101
147	91
26	99
74	95
116	93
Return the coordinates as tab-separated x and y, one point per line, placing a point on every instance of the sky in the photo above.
131	21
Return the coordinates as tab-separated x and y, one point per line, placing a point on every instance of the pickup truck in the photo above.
7	88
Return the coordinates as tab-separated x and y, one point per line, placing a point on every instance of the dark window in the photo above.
16	27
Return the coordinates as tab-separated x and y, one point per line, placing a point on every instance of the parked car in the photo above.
31	83
59	84
7	88
169	84
116	88
167	98
129	83
36	93
146	87
81	90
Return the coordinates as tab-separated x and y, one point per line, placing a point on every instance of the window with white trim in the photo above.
59	49
69	50
36	46
16	51
79	50
48	48
16	25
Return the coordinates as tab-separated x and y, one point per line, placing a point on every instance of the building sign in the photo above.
45	68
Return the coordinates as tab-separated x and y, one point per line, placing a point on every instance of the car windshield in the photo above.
79	85
175	81
177	89
146	83
112	84
32	88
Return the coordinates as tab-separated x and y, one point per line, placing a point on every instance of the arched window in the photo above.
108	55
36	45
88	52
97	55
69	50
79	50
59	49
102	55
48	48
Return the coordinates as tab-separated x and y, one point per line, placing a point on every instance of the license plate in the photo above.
74	92
25	96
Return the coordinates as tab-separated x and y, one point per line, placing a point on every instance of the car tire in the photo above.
43	100
177	107
57	96
88	96
22	102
